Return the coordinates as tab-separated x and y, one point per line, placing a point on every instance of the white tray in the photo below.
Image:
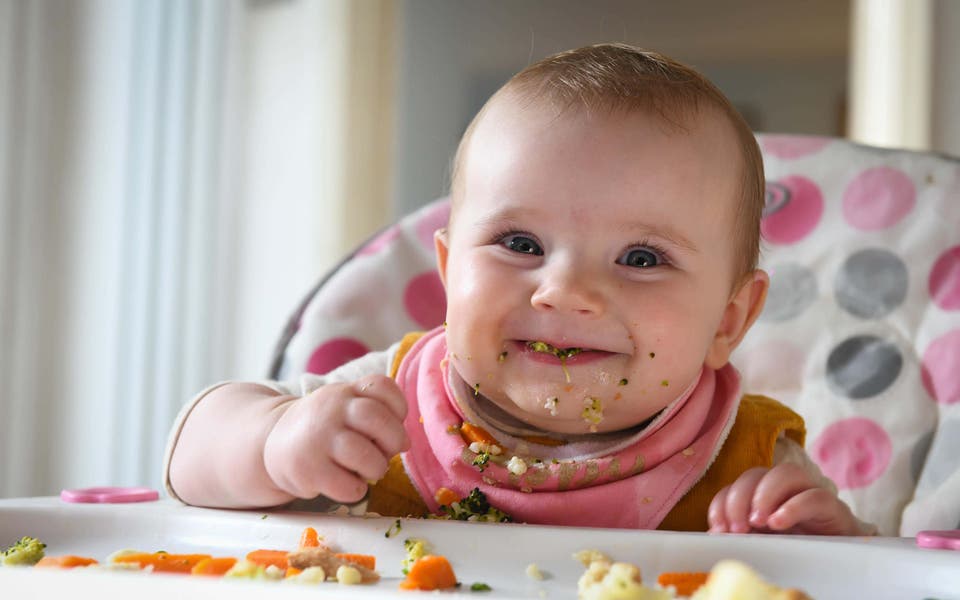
496	554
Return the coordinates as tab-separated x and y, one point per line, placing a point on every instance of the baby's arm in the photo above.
792	496
245	445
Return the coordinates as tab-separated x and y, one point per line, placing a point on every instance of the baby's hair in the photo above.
621	78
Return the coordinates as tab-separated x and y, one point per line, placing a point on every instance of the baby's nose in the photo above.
568	289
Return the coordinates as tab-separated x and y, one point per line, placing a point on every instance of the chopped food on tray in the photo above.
605	579
312	562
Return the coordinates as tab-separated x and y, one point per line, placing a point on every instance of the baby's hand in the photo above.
783	499
333	441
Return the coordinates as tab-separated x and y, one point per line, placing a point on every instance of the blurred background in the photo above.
175	175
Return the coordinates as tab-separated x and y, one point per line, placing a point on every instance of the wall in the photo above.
784	63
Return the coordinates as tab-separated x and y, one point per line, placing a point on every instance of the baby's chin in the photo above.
564	413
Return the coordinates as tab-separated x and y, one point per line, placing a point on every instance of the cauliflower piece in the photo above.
348	575
734	579
310	575
245	569
26	552
416	548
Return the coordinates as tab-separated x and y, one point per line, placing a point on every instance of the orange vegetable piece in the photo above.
430	572
163	562
685	583
65	562
445	496
309	538
215	566
364	560
475	433
265	558
292	572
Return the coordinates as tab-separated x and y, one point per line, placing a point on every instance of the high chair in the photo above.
860	333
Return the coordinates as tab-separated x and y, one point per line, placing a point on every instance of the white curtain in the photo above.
172	179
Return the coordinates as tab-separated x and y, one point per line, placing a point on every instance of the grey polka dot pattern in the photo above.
919	455
863	366
871	283
943	460
793	288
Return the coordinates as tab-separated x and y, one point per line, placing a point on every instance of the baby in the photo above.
600	268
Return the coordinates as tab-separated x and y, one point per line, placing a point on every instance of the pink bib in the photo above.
633	488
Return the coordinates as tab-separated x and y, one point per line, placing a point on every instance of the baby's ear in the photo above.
742	310
441	241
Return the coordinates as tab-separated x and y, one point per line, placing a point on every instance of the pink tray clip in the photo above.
946	540
110	495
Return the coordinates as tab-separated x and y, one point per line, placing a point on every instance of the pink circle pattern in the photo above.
941	368
878	198
425	300
853	452
790	147
945	280
799	216
333	353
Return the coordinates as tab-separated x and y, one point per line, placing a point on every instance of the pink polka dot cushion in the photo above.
860	334
861	331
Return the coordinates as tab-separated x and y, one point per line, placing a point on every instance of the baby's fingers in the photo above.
730	508
814	511
378	423
356	453
778	486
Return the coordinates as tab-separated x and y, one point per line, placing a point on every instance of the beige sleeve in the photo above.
369	364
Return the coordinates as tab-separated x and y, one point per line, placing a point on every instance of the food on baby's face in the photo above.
562	353
592	411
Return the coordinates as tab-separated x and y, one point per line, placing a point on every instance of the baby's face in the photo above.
589	264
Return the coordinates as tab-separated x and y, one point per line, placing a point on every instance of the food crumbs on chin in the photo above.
453	429
647	499
665	383
688	452
551	405
502	357
421	419
618	396
592	412
623	382
476	389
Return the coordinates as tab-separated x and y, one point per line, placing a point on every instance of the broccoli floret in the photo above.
476	502
475	507
26	552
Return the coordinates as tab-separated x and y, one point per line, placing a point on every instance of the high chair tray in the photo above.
495	554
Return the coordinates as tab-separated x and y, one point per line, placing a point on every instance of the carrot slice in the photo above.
265	558
214	566
475	433
364	560
309	538
445	496
430	572
65	562
685	583
163	562
292	572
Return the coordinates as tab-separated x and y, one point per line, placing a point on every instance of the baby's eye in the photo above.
640	258
522	244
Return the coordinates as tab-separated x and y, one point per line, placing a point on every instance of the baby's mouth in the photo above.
561	353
